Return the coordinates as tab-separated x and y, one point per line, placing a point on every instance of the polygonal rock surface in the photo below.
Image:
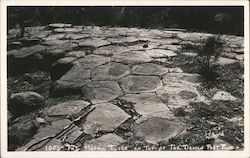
169	47
167	41
76	77
59	25
24	102
76	54
132	57
57	36
110	71
101	91
160	53
105	117
27	51
76	36
178	96
155	130
225	61
123	40
57	143
73	136
179	90
91	61
143	46
149	105
104	143
139	83
52	129
111	50
223	95
67	108
70	30
149	69
176	78
93	42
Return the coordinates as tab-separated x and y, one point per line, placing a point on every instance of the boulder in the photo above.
25	102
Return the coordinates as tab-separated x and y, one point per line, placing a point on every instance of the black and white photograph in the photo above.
127	78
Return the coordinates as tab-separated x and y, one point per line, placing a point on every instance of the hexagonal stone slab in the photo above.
155	130
160	53
110	50
68	30
91	61
180	96
223	95
132	57
143	46
76	77
120	40
148	105
59	25
149	69
107	142
139	83
176	78
57	36
76	36
105	117
101	91
53	129
110	71
67	108
76	54
93	42
27	51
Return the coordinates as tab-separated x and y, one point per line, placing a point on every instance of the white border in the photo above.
121	154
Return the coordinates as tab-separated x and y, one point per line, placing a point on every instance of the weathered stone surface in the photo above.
149	69
52	145
27	51
155	130
143	46
61	49
57	36
148	105
27	42
107	142
175	70
68	30
160	53
139	83
67	108
52	129
59	25
54	42
225	61
169	47
72	137
21	130
132	57
76	36
76	54
91	61
240	57
179	90
105	117
167	41
93	42
24	102
176	78
121	40
223	95
60	67
76	77
111	50
110	71
191	54
101	91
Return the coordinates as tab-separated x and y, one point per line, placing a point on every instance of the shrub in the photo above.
208	54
